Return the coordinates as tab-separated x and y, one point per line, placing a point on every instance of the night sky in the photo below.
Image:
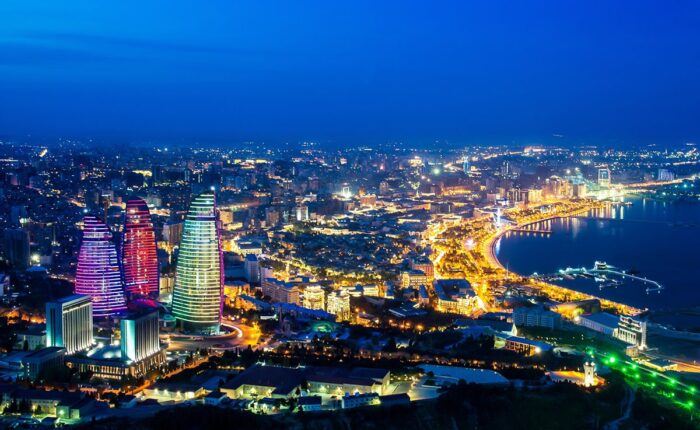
352	72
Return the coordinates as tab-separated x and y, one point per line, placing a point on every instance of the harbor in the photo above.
604	275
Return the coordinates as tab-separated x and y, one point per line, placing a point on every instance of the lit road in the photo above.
240	335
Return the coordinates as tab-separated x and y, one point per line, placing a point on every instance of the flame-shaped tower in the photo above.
98	274
139	253
199	279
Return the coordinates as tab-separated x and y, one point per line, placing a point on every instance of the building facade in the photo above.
139	253
339	305
140	336
314	297
197	296
69	323
99	273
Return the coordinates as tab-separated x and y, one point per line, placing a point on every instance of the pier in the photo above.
603	269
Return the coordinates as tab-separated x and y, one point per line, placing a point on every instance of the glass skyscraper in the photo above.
99	274
199	278
139	254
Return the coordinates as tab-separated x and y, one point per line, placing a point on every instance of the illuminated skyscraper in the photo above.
98	274
199	279
139	254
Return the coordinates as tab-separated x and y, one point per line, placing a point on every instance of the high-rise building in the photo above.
99	273
69	323
140	336
604	177
197	296
139	254
16	247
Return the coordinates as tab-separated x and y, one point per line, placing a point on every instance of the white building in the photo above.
632	331
536	317
339	305
69	323
140	336
314	297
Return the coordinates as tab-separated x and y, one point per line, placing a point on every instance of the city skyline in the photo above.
385	215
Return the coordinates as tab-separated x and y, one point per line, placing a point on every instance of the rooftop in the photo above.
602	318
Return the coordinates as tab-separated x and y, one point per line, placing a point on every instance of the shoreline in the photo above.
490	254
491	244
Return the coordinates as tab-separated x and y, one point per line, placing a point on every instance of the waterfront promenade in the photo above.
487	243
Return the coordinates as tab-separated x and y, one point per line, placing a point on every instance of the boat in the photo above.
600	278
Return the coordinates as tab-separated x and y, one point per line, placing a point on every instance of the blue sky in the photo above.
352	72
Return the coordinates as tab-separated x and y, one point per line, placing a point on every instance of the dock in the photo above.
603	269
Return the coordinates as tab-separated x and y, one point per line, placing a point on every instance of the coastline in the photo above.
490	254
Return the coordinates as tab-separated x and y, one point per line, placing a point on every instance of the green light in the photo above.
634	366
672	381
636	375
611	360
692	389
653	384
690	403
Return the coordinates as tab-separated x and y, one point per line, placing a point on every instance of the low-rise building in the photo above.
455	296
602	322
43	362
33	338
339	305
310	403
413	278
314	297
536	317
281	291
164	392
521	345
424	265
215	398
357	400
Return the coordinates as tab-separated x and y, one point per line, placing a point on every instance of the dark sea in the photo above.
659	240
